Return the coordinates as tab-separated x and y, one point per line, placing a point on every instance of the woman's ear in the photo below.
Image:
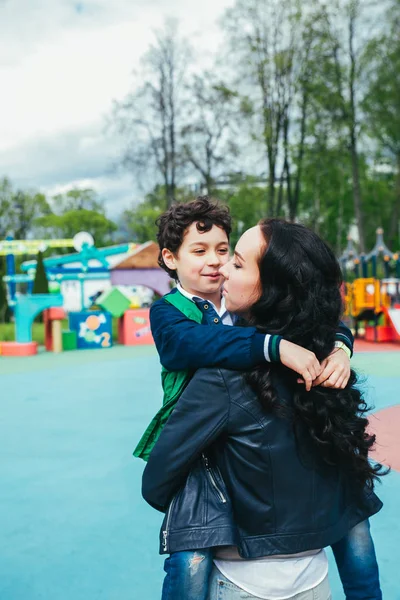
169	259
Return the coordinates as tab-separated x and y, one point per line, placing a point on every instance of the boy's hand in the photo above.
335	370
302	361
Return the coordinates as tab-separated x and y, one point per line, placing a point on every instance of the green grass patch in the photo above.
7	332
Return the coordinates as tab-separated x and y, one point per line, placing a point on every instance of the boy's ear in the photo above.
169	259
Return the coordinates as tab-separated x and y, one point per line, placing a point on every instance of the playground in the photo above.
43	290
72	518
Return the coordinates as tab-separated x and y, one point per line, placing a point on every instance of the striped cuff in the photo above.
271	348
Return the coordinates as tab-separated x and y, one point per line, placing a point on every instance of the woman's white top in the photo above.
272	577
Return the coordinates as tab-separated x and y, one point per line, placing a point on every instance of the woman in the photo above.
295	464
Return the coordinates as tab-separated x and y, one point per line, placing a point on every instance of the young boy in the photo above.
194	244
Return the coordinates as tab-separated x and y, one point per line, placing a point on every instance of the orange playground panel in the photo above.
134	328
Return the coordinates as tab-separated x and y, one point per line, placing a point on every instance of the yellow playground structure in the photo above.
369	299
378	301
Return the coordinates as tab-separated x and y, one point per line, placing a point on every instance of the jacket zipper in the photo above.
213	480
165	531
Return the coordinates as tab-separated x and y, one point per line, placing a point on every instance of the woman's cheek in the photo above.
246	302
257	292
250	296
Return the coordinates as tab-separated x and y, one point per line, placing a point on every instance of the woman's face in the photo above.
242	287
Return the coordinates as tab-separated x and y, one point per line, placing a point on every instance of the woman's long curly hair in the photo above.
301	301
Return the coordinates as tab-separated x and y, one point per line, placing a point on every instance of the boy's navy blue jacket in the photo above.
185	344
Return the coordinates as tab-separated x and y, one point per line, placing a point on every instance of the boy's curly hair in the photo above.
172	224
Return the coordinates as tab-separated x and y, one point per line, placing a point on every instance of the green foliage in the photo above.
139	222
19	210
381	108
40	285
29	214
245	198
379	200
71	222
77	199
7	332
246	202
325	199
6	202
210	135
4	310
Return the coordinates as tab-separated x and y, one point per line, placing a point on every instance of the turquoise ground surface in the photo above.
73	525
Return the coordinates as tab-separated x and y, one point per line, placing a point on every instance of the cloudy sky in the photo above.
62	62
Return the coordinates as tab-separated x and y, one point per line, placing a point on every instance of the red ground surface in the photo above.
363	346
386	425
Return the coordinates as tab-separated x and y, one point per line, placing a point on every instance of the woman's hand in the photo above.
302	361
335	370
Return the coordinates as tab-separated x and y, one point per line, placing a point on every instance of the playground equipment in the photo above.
93	329
26	308
53	318
15	247
114	301
370	300
88	327
11	248
134	328
365	265
87	264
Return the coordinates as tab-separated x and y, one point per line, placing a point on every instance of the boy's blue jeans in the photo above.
356	562
188	573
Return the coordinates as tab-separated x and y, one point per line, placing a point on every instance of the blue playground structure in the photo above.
26	308
58	268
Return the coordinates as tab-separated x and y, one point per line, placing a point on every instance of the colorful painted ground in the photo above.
72	521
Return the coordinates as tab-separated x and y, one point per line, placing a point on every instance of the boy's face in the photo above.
198	261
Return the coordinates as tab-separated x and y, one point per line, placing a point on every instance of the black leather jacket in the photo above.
279	497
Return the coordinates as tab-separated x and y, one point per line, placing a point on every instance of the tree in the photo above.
40	285
325	202
149	119
208	142
246	201
381	106
27	208
19	210
4	309
71	222
379	196
340	73
262	39
6	207
138	223
350	115
77	210
77	199
305	52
